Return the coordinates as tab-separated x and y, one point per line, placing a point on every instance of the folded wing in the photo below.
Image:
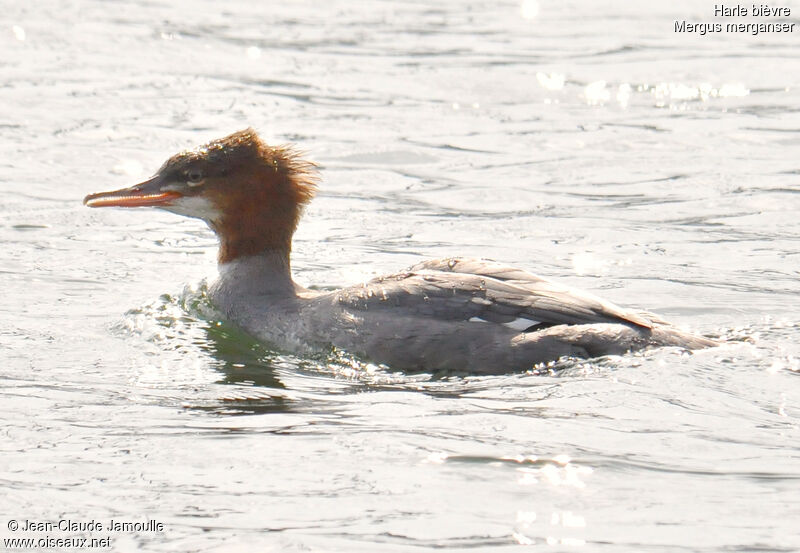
479	290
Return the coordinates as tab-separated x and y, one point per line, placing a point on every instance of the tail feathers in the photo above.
667	335
615	339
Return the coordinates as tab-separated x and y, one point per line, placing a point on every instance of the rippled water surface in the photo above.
585	141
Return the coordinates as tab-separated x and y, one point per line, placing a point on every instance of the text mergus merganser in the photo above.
461	314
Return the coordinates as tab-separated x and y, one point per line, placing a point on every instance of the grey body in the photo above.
459	314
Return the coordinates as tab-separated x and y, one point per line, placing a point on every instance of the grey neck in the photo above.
267	273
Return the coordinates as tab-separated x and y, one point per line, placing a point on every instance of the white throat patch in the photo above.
194	206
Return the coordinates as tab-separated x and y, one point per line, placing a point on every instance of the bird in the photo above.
460	314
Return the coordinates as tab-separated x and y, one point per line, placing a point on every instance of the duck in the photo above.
461	314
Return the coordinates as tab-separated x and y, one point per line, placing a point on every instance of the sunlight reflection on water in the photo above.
585	141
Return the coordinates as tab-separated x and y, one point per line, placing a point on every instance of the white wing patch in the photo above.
519	324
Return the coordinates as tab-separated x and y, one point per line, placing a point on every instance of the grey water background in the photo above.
583	140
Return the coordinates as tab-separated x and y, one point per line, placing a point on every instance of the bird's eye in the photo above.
194	177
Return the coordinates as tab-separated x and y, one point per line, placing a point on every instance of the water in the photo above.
583	140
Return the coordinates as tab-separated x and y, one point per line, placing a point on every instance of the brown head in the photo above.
250	194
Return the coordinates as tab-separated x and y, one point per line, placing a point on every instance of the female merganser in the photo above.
461	314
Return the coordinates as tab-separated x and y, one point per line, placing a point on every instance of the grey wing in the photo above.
473	289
